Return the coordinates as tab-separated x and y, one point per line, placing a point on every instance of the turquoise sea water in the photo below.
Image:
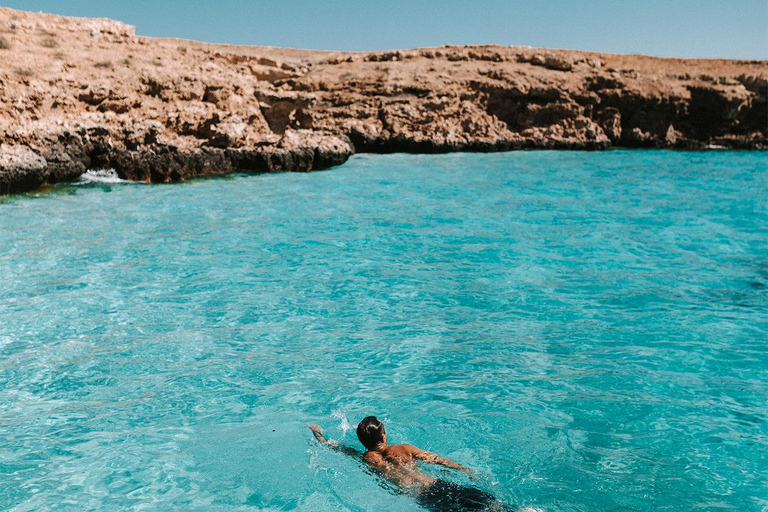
587	330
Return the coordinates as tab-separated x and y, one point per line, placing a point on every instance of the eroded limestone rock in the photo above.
95	95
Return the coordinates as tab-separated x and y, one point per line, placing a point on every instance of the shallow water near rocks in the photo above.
587	330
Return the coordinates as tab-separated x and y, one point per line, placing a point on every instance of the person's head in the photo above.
371	432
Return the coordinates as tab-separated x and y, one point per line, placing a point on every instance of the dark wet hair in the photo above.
370	432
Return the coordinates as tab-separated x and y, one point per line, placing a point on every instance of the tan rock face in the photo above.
80	93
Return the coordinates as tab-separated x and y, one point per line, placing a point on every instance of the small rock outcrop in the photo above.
79	93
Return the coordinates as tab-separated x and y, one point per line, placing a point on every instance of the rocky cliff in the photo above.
88	93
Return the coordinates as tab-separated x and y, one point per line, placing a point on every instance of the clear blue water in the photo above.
587	330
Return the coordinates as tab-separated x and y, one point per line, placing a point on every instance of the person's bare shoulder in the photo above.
373	459
410	449
402	451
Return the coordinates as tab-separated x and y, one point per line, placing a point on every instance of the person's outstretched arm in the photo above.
332	444
433	458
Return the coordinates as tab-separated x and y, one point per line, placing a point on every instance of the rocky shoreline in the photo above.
79	94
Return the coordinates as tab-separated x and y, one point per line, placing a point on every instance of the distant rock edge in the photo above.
79	94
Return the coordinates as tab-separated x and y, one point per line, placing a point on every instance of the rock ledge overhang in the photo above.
78	94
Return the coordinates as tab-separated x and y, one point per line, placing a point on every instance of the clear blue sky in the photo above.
675	28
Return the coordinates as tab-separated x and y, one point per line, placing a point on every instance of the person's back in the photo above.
398	463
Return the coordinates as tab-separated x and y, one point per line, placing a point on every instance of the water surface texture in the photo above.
587	330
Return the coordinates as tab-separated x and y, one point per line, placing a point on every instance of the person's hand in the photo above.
317	431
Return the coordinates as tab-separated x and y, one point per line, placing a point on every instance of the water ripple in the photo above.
587	330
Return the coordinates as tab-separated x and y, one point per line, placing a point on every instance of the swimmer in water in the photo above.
398	463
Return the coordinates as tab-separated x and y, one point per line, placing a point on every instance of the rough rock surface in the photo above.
88	93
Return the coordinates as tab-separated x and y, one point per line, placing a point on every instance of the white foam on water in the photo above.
345	426
101	176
